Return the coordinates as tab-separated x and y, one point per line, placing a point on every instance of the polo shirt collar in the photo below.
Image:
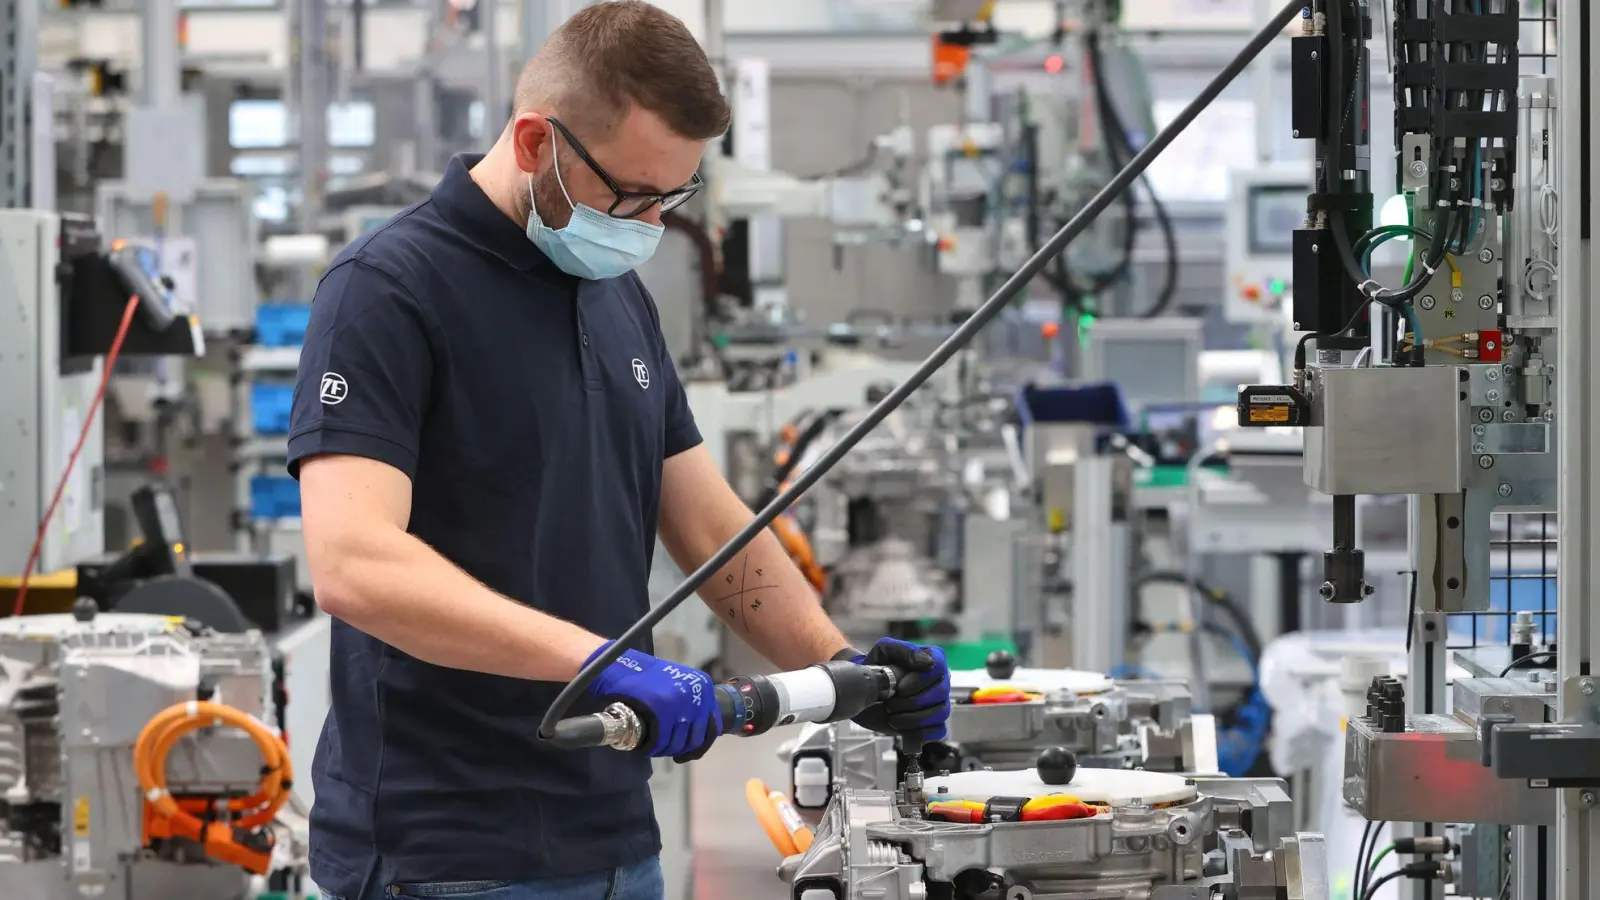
470	211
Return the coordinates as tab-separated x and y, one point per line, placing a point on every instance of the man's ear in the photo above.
530	141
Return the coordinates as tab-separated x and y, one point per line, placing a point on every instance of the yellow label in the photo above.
80	817
1269	414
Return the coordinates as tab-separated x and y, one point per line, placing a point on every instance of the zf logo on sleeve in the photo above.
334	389
641	374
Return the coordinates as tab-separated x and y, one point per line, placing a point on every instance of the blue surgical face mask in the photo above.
593	245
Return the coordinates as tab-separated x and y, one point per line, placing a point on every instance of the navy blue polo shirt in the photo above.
532	411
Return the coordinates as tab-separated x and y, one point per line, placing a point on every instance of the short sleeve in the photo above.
682	432
366	371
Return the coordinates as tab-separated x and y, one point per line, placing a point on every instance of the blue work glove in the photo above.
676	702
920	706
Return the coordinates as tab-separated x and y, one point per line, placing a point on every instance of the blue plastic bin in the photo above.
269	408
274	497
282	324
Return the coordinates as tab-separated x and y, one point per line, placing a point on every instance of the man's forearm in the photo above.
763	597
402	592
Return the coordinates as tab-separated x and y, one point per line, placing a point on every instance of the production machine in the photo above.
1454	388
135	761
1002	717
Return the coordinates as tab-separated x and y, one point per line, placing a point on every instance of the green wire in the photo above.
1374	867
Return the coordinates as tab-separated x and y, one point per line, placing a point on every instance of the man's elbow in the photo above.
343	568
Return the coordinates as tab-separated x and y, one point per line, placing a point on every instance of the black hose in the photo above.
1117	133
952	345
1242	626
802	443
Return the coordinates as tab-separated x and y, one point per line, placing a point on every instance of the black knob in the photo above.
1001	664
85	609
1057	765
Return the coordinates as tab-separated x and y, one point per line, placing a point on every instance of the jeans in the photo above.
640	881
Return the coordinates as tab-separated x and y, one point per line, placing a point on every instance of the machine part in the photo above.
1386	431
778	818
1344	570
959	339
1390	777
82	701
1135	847
1273	405
750	704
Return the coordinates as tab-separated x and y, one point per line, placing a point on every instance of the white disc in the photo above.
1038	681
1115	787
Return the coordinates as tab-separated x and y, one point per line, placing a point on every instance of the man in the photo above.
488	433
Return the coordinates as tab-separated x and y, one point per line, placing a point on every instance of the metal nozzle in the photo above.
624	730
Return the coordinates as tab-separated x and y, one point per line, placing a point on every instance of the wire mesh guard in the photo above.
1522	578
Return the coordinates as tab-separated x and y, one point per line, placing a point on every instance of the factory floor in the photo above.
733	860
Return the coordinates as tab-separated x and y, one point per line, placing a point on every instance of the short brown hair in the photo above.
612	55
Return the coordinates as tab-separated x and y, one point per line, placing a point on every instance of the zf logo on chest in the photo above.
641	374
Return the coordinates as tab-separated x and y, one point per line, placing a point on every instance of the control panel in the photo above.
1265	207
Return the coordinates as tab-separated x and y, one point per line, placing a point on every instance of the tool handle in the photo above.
580	731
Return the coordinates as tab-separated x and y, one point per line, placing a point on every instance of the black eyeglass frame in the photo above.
669	200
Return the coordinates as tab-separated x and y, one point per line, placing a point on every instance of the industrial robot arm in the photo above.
945	352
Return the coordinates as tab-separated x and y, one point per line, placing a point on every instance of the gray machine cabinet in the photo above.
220	219
42	410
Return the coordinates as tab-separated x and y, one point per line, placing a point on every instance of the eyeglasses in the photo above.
630	204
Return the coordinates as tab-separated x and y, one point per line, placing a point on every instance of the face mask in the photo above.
593	245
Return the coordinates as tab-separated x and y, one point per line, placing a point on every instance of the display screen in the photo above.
1276	212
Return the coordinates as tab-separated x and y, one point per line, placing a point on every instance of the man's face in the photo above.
641	154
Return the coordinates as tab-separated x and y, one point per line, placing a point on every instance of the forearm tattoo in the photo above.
746	588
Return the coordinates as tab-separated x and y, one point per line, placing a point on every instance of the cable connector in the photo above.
1427	845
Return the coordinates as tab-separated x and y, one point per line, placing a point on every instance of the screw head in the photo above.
1496	184
1457	295
1587	688
1316	248
1419	169
1549	415
1586	798
1326	591
1505	704
1486	461
1297	132
1486	255
1427	302
1494	396
1484	415
1479	447
1492	374
1504	489
1508	416
1314	55
1486	302
1505	370
1367	590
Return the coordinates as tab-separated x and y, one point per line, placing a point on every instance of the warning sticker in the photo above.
80	817
1278	414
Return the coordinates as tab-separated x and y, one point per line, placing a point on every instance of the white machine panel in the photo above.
1265	207
43	409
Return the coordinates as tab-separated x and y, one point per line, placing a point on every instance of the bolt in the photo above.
1508	416
1494	396
1479	447
1505	704
1586	798
1492	374
1486	302
1427	302
1484	415
1505	489
1506	370
1314	55
1486	255
1479	429
1326	591
1316	248
1549	370
1495	184
1486	461
1549	415
1457	295
1419	169
1297	132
